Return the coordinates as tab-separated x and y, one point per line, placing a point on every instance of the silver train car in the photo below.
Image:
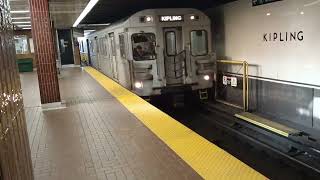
156	51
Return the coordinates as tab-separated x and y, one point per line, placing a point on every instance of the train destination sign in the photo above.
174	18
261	2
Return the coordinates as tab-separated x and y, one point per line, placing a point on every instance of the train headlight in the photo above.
148	19
206	77
138	85
194	17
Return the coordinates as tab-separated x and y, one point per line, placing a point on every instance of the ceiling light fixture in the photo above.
19	18
26	28
22	22
19	12
92	25
84	13
24	25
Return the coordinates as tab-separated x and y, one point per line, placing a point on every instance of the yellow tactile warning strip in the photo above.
267	124
205	158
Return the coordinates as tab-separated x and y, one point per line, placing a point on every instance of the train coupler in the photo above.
203	94
178	100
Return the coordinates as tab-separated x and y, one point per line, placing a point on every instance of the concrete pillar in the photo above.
44	51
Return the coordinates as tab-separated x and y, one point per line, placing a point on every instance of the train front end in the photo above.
177	44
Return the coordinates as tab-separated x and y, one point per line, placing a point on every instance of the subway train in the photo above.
165	50
155	51
158	51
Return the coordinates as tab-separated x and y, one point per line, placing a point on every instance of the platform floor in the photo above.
95	137
106	132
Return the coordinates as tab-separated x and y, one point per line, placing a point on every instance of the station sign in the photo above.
229	80
173	18
283	36
261	2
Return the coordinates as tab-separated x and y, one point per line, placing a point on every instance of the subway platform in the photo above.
107	132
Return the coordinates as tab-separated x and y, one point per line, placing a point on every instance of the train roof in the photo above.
154	12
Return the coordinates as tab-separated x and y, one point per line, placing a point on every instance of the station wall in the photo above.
281	43
271	37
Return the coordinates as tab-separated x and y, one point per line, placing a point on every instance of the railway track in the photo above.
300	158
276	159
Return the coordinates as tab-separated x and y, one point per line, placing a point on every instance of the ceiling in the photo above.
65	12
108	11
22	18
62	12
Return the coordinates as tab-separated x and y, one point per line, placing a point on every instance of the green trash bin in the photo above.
25	65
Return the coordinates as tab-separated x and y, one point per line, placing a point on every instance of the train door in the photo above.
112	45
104	55
88	50
125	68
174	55
98	45
94	54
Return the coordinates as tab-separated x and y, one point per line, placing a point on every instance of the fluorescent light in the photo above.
86	10
22	22
24	25
16	18
19	12
26	28
93	25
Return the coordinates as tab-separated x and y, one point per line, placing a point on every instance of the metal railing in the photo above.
245	83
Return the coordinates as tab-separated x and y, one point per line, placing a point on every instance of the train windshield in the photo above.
143	45
199	43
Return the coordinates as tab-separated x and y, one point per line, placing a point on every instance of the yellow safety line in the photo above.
207	159
278	131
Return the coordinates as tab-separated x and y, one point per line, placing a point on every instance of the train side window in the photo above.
82	46
199	42
96	45
107	46
171	46
143	46
112	44
90	46
100	48
122	46
104	45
